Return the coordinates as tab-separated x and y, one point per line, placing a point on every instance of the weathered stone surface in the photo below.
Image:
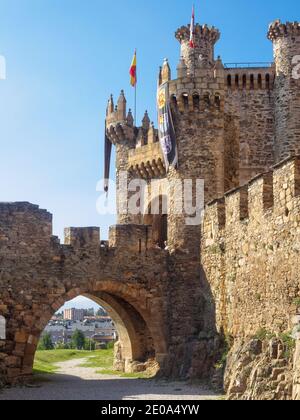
253	373
176	308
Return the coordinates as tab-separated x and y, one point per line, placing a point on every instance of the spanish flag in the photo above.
132	71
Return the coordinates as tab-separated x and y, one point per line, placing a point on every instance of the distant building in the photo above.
89	312
74	314
100	329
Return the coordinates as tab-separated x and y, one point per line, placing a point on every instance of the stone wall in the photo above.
250	255
249	102
144	289
250	252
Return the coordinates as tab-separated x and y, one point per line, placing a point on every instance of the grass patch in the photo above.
45	361
262	334
289	342
101	360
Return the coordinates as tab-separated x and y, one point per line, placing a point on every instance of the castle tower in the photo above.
286	42
197	102
203	53
122	134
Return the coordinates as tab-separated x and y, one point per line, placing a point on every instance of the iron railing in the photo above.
248	65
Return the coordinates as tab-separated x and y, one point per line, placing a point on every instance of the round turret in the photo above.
203	53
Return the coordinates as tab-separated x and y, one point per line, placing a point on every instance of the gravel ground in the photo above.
73	382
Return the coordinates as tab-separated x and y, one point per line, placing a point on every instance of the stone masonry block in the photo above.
133	238
81	237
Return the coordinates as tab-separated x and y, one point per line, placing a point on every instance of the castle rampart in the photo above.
250	252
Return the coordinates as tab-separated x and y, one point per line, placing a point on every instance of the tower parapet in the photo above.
286	43
202	56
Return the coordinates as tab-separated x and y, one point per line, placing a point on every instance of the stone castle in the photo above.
222	301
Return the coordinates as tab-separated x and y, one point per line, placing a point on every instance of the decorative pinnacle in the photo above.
277	29
110	106
166	71
130	120
146	121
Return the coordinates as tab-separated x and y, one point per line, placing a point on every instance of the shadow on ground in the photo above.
70	388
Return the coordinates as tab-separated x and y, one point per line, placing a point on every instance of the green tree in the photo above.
78	340
89	344
101	312
46	342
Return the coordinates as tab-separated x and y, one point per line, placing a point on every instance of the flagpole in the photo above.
135	102
135	94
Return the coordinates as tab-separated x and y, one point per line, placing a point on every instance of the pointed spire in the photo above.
122	106
160	76
166	71
110	105
219	63
146	121
130	120
219	68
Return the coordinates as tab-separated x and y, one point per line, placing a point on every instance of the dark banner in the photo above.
166	129
107	159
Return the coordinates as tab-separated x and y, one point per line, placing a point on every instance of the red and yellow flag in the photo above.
192	30
132	72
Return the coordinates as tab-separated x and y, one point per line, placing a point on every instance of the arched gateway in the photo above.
38	275
142	286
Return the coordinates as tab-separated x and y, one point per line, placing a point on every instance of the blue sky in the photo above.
64	58
80	302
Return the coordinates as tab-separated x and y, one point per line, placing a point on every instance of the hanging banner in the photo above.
166	129
107	159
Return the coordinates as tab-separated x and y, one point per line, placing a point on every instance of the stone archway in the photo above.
141	338
128	274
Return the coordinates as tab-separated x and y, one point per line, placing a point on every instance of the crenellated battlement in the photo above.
277	29
82	237
131	238
26	227
24	224
250	252
273	195
205	40
202	32
147	161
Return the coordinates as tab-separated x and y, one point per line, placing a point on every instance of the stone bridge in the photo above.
143	288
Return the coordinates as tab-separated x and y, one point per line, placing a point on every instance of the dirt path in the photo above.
73	382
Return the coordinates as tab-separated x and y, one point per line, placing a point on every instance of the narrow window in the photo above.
237	81
252	81
174	101
244	81
185	98
218	100
2	328
259	81
267	81
229	80
196	101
